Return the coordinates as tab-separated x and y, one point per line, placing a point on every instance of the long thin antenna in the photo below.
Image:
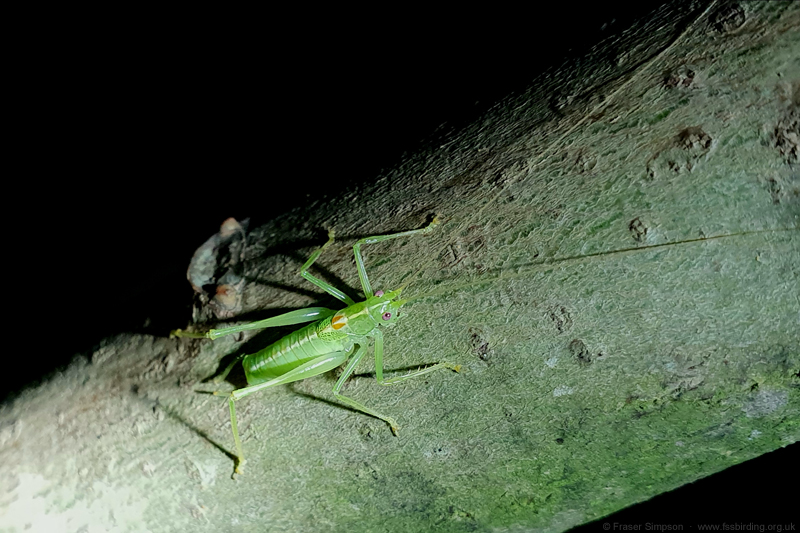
535	266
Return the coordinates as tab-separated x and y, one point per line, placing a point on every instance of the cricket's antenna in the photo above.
529	268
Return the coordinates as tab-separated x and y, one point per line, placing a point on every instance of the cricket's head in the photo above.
384	308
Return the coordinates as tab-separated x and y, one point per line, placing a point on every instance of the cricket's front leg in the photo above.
391	381
362	272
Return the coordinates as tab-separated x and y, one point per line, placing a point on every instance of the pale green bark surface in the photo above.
590	383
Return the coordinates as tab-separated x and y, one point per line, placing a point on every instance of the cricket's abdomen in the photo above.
290	352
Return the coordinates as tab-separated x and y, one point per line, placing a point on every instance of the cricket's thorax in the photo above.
328	332
354	320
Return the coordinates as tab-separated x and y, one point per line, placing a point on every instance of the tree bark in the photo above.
617	273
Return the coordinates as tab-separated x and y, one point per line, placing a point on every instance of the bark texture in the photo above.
591	380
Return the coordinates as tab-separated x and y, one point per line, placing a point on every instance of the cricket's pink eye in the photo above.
378	293
387	316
